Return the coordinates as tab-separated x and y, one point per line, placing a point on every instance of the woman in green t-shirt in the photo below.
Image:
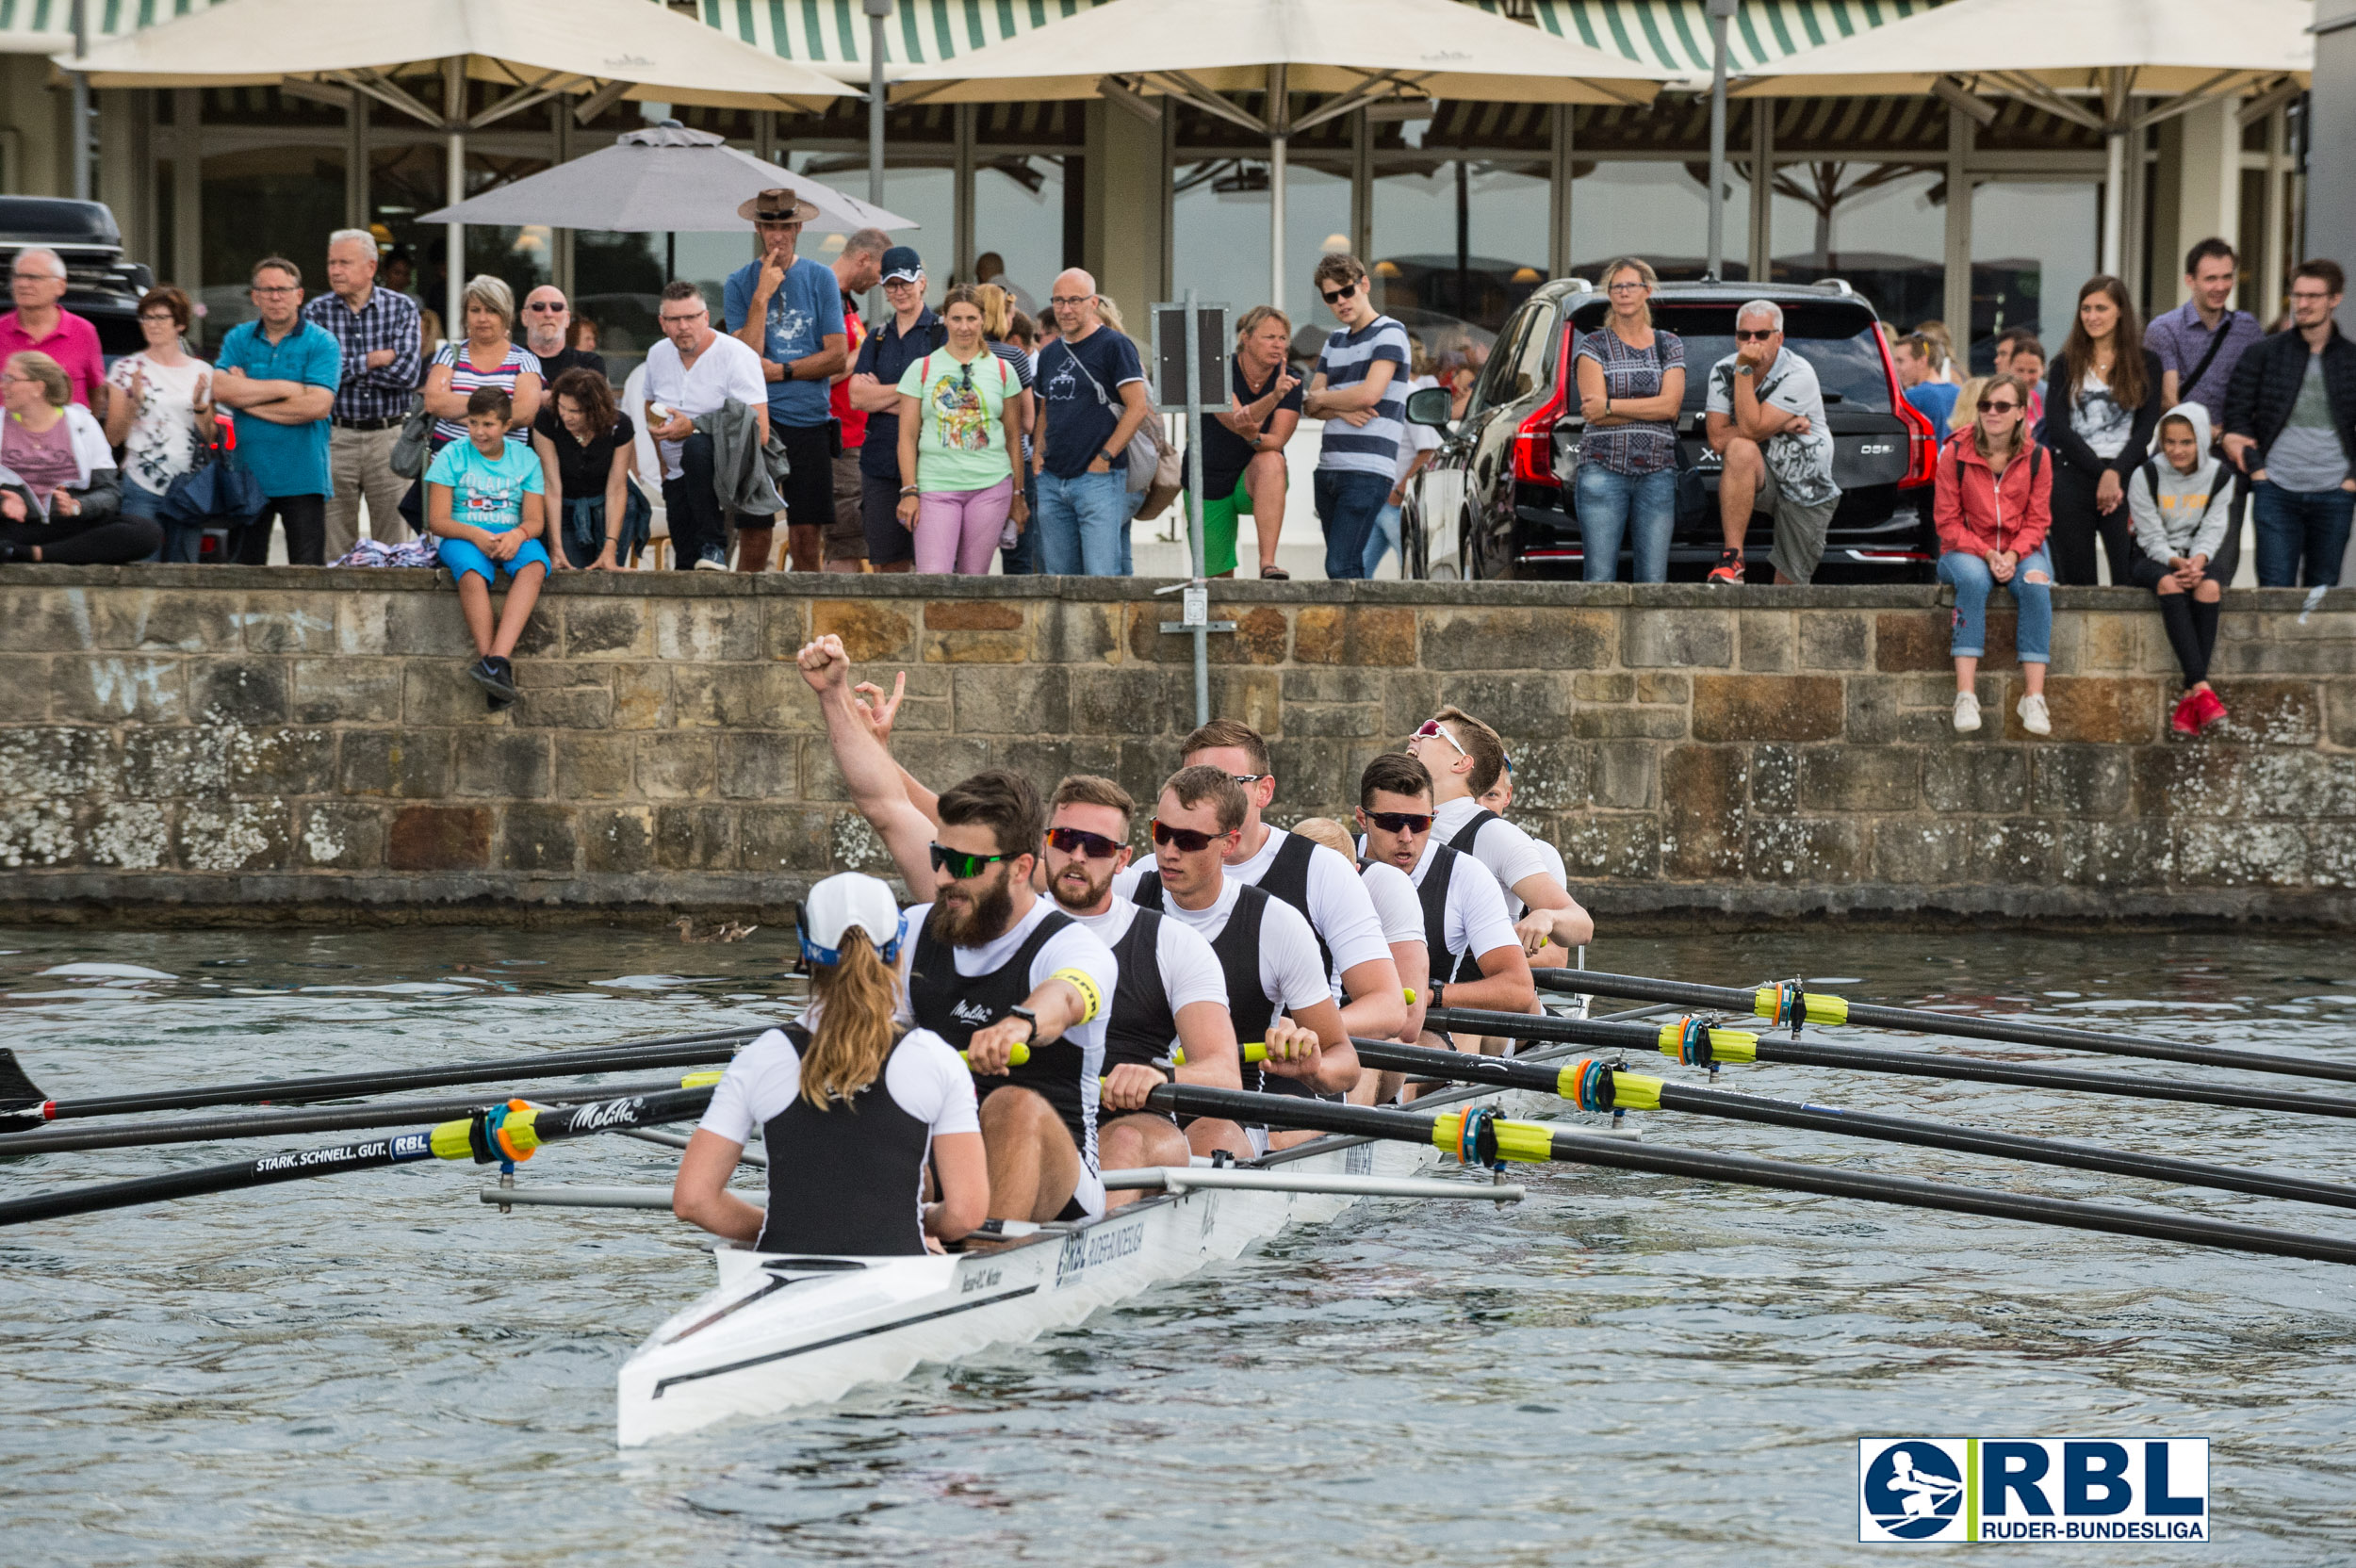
959	413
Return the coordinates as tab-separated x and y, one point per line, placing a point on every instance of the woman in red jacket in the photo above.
1994	506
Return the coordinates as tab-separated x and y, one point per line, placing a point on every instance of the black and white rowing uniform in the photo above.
954	991
850	1179
1463	913
1468	827
1164	966
1325	889
1265	949
1394	902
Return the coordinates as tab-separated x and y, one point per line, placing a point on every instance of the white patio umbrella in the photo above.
2087	61
1362	52
345	50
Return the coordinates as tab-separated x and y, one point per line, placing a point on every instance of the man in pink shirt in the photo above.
37	284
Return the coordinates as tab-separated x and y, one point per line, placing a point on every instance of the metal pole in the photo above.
1194	510
1719	13
81	101
1277	122
877	12
454	119
2114	199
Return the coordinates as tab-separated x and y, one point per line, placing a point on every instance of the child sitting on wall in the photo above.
2181	502
485	502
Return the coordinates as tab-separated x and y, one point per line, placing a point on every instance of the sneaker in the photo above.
1967	712
713	559
1729	570
2186	720
497	676
2207	709
2034	718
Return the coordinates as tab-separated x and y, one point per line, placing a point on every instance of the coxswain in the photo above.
1278	985
1499	799
1401	913
851	1106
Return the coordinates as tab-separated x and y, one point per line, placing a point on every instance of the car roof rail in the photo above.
1581	285
1838	285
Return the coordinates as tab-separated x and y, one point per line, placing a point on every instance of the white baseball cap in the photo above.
842	902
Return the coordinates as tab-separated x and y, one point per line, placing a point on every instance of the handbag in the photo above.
414	447
214	493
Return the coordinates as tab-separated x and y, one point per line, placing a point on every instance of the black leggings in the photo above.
2077	525
116	542
2191	625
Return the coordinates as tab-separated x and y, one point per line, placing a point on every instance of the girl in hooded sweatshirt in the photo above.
1993	508
2181	500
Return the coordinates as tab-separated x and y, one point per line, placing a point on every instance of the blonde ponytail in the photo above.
856	997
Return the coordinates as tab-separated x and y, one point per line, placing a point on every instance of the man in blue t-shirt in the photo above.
278	376
788	309
1360	391
1092	400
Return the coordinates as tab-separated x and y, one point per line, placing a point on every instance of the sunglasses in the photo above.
1190	841
1336	295
1433	729
1396	822
549	306
962	866
1741	336
1079	840
1988	406
1247	779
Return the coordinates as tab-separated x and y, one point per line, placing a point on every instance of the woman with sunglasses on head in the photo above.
961	423
1993	509
2100	410
851	1108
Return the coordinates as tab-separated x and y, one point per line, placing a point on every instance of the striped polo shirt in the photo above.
1373	447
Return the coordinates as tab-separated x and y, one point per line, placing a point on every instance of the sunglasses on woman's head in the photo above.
1190	841
1079	840
1398	822
1433	728
962	865
1988	406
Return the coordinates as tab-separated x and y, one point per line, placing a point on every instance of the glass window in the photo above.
1460	218
1019	217
408	179
1221	244
925	191
1658	210
2032	243
1839	339
1873	226
265	200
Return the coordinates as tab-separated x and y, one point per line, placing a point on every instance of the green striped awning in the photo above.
832	35
1675	34
46	26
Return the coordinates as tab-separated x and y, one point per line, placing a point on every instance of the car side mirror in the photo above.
1430	406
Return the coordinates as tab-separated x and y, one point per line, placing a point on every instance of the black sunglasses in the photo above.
1079	840
1334	297
1988	407
1741	336
961	865
1398	822
1190	841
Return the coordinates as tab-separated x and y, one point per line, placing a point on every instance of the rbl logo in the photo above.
2033	1489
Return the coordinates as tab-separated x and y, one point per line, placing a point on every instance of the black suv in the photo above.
100	285
1494	501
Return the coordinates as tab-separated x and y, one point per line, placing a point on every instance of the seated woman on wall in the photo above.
1994	506
485	502
2183	505
587	448
61	493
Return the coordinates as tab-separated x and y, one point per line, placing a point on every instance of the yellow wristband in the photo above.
1080	980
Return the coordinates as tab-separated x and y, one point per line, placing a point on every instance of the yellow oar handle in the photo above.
1725	1045
1596	1085
700	1080
1256	1052
1775	1005
1514	1140
1015	1057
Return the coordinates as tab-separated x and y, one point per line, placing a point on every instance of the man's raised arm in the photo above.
867	768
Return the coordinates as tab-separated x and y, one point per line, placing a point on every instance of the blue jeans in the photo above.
1347	503
1384	539
180	543
2295	525
1021	558
1973	582
1080	524
1607	503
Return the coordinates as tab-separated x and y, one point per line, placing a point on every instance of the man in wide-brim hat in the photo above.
788	309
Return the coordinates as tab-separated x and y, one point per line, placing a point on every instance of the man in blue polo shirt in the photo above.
279	376
912	333
788	309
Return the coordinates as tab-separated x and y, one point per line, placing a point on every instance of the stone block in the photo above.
24	688
2015	851
583	702
1767	706
58	763
437	693
1659	686
439	838
1908	640
283	623
1625	775
1077	632
2241	855
642	699
107	688
974	615
282	762
761	696
1884	710
1260	637
1703	815
694	838
507	764
616	840
2109	641
224	692
2101	709
132	835
871	630
339	835
976	631
1616	847
1676	639
1833	639
363	627
1340	720
1326	685
776	839
1128	700
1355	635
1603	687
1766	638
428	625
1563	776
343	690
538	839
1977	779
35	833
408	764
1312	777
2078	783
1514	638
1860	778
606	627
594	767
1775	781
760	765
1605	724
48	620
1923	852
539	638
677	767
1800	850
2339	698
704	630
233	836
1517	707
2272	712
176	621
1027	700
2114	854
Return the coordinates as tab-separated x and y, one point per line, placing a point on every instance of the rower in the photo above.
1172	990
1476	958
1499	799
1465	759
1277	982
1287	866
1401	913
852	1107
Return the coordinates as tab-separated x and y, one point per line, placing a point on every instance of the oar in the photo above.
1594	1085
19	1093
1492	1137
1733	1045
509	1131
1788	1004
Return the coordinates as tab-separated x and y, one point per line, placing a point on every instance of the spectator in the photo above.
2028	367
2290	422
1016	559
1360	390
1416	449
485	502
376	334
1919	375
1092	390
991	268
2203	339
1966	412
1943	366
548	333
1022	332
958	437
1243	448
2003	351
1993	510
695	370
2104	399
859	269
912	333
280	375
583	335
490	356
159	411
36	282
586	447
59	490
2182	504
400	269
788	309
1766	417
1631	383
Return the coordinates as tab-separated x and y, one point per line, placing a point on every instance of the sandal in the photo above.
1275	574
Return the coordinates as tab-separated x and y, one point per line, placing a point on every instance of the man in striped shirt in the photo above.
1360	391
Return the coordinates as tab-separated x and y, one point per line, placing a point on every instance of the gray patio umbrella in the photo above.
664	179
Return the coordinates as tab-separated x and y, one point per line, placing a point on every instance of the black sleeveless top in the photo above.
953	1005
849	1179
1447	963
1140	1026
1237	948
1287	878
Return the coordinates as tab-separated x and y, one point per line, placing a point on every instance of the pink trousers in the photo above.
956	530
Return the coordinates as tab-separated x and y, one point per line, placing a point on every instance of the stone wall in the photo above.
209	744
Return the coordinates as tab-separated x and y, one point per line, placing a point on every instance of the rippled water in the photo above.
377	1369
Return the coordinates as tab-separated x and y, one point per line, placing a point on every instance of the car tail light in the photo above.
1533	443
1922	439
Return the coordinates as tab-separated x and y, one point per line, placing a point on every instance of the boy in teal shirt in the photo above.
485	500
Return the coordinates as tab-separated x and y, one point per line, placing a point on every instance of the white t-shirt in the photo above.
727	368
1418	438
1339	906
1189	969
163	433
924	1077
1510	854
1474	921
1292	975
1395	901
1554	864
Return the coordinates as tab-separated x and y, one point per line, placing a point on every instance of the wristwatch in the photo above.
1434	994
1028	1017
1110	458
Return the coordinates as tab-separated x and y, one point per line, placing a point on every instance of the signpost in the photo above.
1190	368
